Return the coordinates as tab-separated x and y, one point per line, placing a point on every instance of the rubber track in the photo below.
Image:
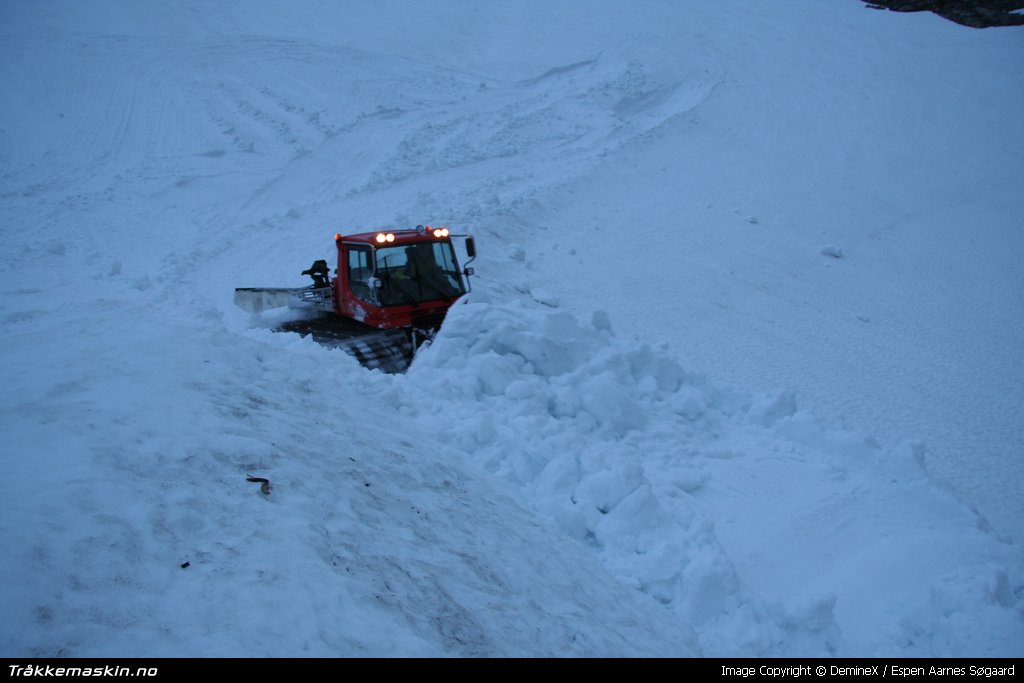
389	351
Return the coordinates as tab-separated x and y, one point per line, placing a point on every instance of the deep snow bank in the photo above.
740	514
374	541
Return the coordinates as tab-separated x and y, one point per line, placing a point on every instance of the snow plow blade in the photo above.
259	299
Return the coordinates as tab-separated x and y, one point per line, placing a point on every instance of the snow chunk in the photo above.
544	296
769	409
832	250
613	408
601	321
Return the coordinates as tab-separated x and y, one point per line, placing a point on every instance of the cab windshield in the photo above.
418	272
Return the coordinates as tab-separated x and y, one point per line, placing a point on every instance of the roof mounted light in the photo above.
381	238
440	232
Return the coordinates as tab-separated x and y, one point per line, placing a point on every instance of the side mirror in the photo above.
470	247
373	283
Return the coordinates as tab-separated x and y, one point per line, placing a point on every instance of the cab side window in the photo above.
359	271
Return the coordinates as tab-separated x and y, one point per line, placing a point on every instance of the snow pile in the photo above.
577	424
626	451
373	541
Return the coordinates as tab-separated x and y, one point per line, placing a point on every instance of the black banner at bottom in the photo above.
169	669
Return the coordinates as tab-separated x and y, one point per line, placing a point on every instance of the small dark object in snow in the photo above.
366	484
265	483
186	565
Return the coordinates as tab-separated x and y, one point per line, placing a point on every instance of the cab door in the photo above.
353	291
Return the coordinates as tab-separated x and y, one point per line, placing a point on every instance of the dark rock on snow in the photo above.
974	13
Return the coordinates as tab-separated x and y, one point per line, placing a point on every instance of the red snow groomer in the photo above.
390	292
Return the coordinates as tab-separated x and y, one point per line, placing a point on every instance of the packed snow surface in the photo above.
740	373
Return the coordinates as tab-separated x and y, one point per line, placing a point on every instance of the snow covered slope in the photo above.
841	217
659	192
